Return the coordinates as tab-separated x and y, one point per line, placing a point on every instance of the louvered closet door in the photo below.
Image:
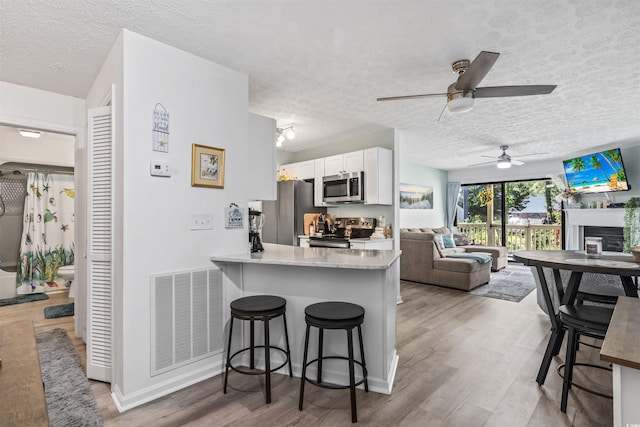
100	274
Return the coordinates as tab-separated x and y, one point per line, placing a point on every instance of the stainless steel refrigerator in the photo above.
284	218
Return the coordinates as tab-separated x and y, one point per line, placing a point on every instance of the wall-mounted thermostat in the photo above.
160	169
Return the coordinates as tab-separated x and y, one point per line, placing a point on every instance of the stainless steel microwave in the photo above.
343	188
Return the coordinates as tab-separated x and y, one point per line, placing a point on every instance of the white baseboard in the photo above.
125	402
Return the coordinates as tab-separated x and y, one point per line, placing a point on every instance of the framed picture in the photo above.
416	196
207	166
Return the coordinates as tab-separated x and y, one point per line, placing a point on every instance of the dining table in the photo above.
577	262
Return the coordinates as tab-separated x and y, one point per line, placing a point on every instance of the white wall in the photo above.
413	173
384	139
208	105
50	149
38	109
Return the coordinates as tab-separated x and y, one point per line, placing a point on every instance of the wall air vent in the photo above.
186	318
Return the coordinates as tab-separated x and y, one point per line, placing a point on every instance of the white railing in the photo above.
519	237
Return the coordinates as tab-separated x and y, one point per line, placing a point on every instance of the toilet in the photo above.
67	273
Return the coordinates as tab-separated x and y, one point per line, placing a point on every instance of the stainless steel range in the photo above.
361	228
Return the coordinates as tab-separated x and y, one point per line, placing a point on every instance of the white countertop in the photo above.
362	239
364	259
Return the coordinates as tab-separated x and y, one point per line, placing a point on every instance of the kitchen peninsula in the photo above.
304	276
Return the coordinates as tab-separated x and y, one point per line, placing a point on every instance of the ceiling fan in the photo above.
461	93
504	161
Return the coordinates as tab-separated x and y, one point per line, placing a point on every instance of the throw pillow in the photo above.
437	238
448	241
439	244
461	239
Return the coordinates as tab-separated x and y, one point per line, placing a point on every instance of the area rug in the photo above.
66	388
512	283
55	311
23	298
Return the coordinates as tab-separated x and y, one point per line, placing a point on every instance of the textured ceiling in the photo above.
320	65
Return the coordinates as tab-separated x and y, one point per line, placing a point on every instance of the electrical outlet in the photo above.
202	221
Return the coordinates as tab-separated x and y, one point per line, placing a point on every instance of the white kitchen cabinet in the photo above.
378	176
300	170
262	158
304	242
317	183
381	244
341	163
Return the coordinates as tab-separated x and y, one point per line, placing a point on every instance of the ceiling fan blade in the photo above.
477	70
516	162
445	114
501	91
480	164
399	98
533	154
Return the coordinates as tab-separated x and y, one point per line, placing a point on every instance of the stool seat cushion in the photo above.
334	314
258	305
585	318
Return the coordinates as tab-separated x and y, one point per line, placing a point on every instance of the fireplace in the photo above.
576	220
612	237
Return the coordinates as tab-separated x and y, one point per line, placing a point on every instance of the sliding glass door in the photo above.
520	215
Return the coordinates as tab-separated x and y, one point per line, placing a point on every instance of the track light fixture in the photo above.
280	134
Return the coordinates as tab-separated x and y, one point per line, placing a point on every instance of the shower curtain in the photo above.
47	235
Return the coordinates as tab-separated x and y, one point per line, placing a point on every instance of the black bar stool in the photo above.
265	308
335	315
581	320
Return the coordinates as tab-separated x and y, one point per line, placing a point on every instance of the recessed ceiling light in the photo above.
30	133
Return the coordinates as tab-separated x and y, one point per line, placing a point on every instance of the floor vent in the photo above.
186	318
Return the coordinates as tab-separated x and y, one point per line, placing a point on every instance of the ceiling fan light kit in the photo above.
504	163
460	102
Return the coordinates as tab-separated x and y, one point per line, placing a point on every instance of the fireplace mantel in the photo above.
577	219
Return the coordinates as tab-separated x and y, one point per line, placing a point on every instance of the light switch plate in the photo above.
159	169
202	221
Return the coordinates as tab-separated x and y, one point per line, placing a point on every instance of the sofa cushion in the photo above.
441	230
450	251
426	230
459	265
416	236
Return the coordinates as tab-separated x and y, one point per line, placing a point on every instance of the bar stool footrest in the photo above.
336	386
583	388
248	371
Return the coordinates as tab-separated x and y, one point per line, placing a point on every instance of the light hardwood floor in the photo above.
465	360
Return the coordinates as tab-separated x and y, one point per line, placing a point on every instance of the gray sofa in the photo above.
422	262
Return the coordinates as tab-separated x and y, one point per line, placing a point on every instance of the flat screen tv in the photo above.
596	173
